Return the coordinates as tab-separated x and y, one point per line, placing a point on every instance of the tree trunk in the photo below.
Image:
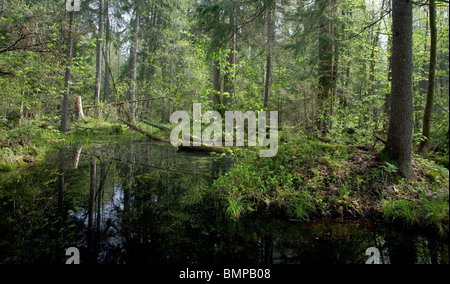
325	71
343	95
162	127
2	10
217	86
387	100
65	108
132	68
375	42
431	79
150	135
202	148
106	93
334	82
230	74
80	108
76	159
334	31
21	110
399	141
270	39
98	74
372	80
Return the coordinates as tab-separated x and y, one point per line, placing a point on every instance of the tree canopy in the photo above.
325	65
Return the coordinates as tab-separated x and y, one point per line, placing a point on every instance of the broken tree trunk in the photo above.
80	108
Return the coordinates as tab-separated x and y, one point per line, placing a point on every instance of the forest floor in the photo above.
308	179
24	146
312	179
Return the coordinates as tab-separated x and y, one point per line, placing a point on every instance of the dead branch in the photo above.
380	139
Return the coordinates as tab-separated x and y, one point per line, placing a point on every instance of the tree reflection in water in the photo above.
147	203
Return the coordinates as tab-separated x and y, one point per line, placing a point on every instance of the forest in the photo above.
360	88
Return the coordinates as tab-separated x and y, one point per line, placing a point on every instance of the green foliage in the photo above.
404	210
421	202
178	43
428	211
310	179
179	40
236	208
291	181
26	145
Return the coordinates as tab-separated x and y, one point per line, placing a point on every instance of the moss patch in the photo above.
312	179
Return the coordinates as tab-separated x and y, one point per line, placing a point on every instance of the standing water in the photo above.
142	202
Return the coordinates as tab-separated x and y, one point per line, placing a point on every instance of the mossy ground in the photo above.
312	179
24	146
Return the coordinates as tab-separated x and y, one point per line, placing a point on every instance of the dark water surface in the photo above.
141	202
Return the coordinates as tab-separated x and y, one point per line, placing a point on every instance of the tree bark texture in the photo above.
400	133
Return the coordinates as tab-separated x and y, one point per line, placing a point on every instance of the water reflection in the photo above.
142	202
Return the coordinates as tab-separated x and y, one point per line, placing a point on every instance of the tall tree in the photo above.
387	98
400	133
65	107
2	9
106	93
431	79
98	73
270	40
325	70
230	74
132	65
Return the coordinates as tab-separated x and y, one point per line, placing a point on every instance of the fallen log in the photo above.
202	148
150	135
165	128
162	127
